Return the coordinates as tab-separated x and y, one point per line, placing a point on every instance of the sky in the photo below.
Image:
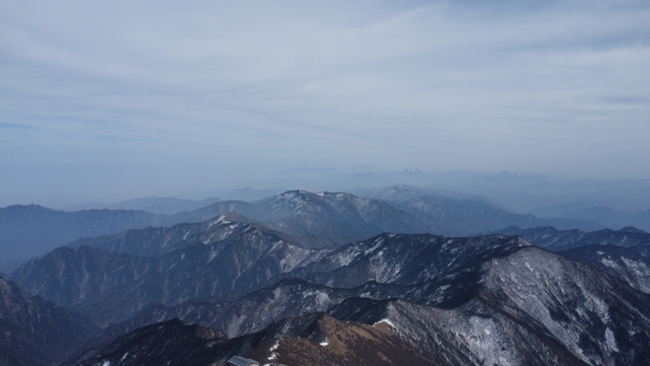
105	101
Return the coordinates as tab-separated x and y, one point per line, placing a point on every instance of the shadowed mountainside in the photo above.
532	307
35	332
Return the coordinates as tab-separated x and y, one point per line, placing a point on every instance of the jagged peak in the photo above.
230	217
524	243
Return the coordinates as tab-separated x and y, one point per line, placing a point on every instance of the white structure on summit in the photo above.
241	361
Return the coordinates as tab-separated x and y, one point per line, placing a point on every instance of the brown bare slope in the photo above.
336	342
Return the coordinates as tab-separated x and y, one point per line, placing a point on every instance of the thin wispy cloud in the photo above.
15	126
554	87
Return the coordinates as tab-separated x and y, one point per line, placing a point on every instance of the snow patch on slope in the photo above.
609	263
611	341
387	321
275	347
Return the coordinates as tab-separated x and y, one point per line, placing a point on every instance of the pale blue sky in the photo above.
112	100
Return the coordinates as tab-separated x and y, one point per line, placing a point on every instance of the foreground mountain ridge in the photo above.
35	332
483	293
223	258
624	253
532	307
93	281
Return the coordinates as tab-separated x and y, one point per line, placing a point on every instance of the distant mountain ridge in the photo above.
156	205
514	191
454	216
321	219
30	231
338	216
557	240
602	215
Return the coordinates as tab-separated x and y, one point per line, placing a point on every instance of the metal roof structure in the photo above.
241	361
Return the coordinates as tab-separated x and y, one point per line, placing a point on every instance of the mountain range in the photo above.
318	219
386	276
230	286
463	216
514	191
30	231
156	205
527	306
557	240
212	263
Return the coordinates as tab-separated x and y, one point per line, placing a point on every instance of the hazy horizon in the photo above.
514	191
111	101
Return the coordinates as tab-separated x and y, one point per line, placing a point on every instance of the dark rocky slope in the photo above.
225	258
35	332
532	307
625	263
558	240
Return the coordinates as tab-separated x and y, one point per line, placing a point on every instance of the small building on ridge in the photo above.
241	361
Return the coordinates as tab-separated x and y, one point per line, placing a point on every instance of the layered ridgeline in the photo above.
35	332
430	269
341	217
30	231
207	261
463	216
623	253
320	219
217	260
391	300
558	240
531	307
156	205
603	215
